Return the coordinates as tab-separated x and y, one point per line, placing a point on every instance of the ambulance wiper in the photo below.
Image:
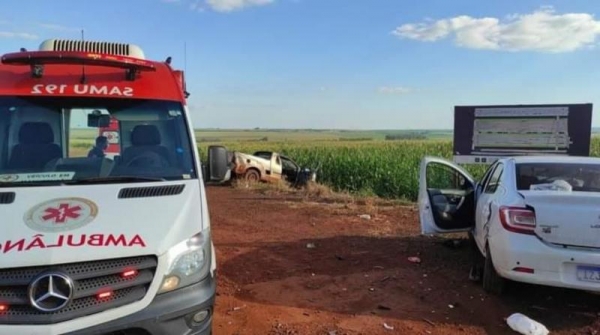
30	183
114	179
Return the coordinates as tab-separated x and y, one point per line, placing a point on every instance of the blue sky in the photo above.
357	64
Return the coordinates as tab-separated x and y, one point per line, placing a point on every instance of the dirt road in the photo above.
289	267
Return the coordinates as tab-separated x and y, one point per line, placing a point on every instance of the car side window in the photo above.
443	177
494	180
288	165
487	174
486	177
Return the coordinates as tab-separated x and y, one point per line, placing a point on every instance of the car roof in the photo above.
555	159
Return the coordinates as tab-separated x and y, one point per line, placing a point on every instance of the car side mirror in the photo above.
217	167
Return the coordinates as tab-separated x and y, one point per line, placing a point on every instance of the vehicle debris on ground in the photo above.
526	326
414	259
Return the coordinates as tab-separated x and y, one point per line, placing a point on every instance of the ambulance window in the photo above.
4	137
84	138
81	138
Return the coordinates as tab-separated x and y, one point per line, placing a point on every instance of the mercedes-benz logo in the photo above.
51	292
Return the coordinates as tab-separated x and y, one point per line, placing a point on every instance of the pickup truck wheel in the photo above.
492	282
252	175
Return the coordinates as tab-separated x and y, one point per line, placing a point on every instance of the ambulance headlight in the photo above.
189	262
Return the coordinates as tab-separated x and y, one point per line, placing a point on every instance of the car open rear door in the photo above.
446	197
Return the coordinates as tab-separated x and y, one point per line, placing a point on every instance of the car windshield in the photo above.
49	140
573	176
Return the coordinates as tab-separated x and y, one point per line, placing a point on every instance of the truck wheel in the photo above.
492	282
252	175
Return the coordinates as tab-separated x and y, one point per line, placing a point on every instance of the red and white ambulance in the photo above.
100	242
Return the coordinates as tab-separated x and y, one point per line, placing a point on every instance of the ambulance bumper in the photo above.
187	311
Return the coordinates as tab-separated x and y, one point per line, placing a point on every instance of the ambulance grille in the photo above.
89	279
152	191
7	198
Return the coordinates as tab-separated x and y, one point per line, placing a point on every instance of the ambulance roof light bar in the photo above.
55	51
37	59
98	47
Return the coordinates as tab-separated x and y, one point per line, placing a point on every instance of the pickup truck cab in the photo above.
270	166
97	243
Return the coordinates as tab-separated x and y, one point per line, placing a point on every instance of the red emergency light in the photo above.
104	295
129	274
36	59
76	57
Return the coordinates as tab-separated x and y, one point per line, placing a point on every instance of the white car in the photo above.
532	219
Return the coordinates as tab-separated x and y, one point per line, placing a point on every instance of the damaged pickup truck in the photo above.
269	166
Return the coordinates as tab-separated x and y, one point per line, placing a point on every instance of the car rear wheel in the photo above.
492	282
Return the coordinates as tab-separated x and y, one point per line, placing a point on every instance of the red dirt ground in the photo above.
357	277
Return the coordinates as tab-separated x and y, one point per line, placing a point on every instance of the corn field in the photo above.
385	169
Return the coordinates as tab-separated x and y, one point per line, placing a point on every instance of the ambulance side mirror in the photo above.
217	167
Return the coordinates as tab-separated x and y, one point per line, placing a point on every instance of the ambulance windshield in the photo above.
70	140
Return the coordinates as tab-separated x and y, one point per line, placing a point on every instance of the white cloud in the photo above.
12	34
543	31
232	5
394	90
223	6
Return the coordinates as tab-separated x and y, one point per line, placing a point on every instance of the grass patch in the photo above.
315	192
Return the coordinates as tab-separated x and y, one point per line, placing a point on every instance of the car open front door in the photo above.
446	197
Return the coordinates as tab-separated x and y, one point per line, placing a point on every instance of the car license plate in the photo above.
588	273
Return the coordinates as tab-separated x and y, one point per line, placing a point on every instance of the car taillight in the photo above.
518	220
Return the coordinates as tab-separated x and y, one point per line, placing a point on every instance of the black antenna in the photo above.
185	92
82	64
